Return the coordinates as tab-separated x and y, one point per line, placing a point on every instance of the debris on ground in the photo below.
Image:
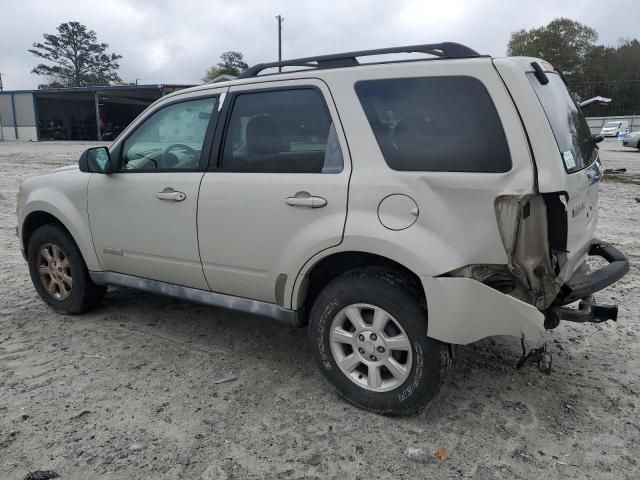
136	447
442	454
41	475
415	454
226	378
608	171
314	459
80	415
638	199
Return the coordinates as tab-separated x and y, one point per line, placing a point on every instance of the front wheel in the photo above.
368	330
58	271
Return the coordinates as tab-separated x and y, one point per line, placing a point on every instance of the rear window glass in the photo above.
577	149
436	124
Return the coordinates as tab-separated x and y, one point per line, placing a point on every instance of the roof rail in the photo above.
349	59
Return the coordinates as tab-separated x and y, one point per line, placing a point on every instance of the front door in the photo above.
143	216
279	192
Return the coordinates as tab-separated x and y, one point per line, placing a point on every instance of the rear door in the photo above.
277	190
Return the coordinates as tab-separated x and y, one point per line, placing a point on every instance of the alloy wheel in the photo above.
54	271
370	347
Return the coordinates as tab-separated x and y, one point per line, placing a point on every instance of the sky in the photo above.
175	41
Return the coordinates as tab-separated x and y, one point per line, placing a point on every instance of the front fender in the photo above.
66	200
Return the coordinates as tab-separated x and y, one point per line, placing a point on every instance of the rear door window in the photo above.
435	124
281	131
577	148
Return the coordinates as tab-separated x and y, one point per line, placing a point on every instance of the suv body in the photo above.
463	189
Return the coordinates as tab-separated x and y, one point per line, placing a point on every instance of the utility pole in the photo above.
1	82
280	20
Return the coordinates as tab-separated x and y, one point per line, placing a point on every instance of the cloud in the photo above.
168	41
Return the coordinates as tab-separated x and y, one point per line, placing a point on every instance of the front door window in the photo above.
171	138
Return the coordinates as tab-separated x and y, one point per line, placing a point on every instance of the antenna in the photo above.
280	20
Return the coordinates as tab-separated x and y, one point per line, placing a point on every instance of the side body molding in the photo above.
291	318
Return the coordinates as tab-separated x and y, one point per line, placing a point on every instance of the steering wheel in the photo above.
190	151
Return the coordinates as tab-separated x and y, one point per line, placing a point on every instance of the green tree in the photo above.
77	58
231	63
613	72
590	69
564	43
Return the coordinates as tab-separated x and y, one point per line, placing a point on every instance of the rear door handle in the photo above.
305	199
171	194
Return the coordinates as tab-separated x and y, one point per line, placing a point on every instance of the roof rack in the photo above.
349	59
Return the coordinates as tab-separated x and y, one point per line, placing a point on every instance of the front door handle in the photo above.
305	199
171	194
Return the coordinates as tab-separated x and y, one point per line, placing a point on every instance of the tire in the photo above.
64	296
363	294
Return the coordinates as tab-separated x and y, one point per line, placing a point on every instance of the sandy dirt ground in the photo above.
127	391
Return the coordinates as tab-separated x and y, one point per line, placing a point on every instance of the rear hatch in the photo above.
565	156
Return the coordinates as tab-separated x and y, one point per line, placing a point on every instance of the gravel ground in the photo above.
128	391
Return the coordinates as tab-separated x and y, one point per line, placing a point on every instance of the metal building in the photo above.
81	113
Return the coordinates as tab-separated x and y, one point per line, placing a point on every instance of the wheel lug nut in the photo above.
361	350
381	349
361	337
373	337
373	358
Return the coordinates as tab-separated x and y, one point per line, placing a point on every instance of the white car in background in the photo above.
613	129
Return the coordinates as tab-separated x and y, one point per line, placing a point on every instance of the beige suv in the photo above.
397	208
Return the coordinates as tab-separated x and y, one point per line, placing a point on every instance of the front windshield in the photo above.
611	124
577	147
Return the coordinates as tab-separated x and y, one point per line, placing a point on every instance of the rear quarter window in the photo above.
435	124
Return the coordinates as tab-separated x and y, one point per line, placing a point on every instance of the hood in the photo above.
65	168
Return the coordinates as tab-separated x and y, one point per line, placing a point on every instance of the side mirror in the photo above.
95	160
597	138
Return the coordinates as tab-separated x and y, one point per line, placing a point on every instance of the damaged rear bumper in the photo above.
462	311
582	287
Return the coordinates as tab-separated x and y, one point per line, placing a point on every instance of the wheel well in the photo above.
34	221
339	263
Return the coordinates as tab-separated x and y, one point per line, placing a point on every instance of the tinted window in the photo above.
171	138
577	149
446	124
285	131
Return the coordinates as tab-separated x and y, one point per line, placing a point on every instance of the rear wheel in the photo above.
368	330
58	271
